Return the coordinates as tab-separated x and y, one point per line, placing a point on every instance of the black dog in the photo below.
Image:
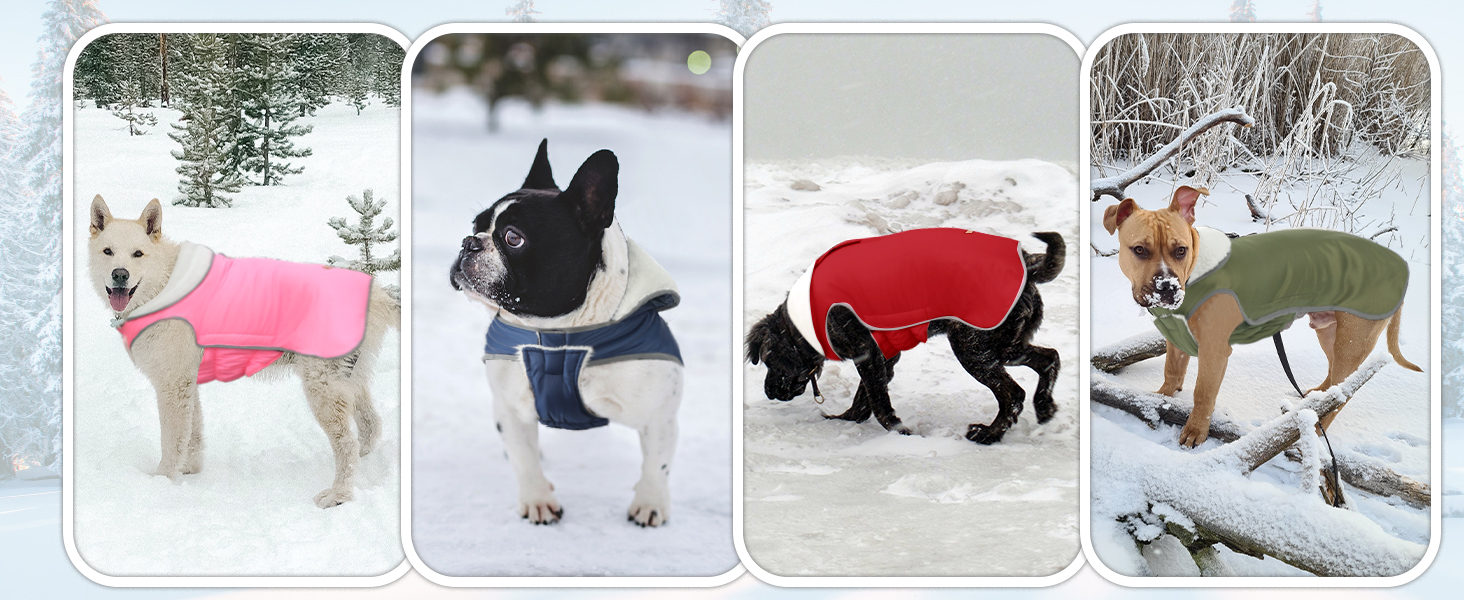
792	362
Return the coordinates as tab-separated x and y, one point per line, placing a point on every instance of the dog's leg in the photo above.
193	460
1327	337
859	411
1009	398
368	422
176	402
1356	337
1046	363
851	339
331	402
1176	363
1212	323
518	425
652	503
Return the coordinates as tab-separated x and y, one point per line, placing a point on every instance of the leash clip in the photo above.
813	378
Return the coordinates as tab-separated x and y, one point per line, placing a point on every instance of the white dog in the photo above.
159	290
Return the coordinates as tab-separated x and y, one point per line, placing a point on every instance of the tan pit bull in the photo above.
1159	251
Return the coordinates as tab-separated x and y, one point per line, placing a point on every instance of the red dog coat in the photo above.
896	284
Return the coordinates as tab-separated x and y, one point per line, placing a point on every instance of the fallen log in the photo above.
1116	185
1113	357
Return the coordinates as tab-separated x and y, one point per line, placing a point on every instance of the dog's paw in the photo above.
984	434
648	513
1045	408
331	497
1195	432
543	511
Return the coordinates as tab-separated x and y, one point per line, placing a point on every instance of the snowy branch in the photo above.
1144	346
1116	185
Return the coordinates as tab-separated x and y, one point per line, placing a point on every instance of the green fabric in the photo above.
1276	276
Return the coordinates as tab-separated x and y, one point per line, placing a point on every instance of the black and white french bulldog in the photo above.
555	265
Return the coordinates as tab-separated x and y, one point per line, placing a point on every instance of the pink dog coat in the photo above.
896	284
245	312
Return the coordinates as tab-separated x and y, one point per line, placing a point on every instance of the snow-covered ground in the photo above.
1387	423
250	512
674	199
828	497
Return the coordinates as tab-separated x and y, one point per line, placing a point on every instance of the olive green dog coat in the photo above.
1278	276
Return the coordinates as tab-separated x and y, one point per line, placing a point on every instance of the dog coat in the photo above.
554	358
896	284
246	312
1276	277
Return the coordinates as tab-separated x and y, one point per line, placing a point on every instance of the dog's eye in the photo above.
107	251
513	238
1140	251
137	254
1180	252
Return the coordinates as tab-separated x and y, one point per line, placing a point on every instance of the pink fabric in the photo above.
247	310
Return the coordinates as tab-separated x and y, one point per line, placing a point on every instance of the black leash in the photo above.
813	378
1286	366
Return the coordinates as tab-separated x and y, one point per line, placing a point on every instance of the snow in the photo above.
674	200
828	497
250	511
1387	422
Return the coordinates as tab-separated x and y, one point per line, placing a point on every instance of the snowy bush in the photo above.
126	109
367	235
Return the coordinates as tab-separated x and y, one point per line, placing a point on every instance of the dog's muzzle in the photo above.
1163	292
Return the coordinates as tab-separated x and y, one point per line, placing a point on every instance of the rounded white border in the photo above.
1436	333
737	304
68	311
406	380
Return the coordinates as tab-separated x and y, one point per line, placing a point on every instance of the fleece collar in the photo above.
1213	250
193	264
800	308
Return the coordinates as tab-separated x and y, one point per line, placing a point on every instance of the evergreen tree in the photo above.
270	101
367	235
92	78
129	98
1242	11
522	12
205	137
36	224
1452	292
321	62
1315	14
744	16
386	72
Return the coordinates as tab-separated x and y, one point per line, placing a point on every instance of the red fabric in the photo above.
246	311
896	284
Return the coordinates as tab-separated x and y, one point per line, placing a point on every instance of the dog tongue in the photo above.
119	297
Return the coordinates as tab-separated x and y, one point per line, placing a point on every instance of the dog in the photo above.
577	340
872	332
1208	292
157	289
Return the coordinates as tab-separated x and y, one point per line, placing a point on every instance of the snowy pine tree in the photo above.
34	228
386	73
522	12
128	99
270	101
744	16
1452	292
205	133
367	235
1242	11
1315	14
320	62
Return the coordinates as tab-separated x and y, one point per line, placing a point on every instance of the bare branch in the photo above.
1116	185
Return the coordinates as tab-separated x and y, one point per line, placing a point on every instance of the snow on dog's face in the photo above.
1156	248
536	250
791	362
129	260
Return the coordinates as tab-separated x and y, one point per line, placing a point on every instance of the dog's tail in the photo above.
1043	268
1393	327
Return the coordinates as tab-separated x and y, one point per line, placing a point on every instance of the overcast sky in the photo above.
920	96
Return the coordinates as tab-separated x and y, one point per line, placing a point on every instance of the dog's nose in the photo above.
119	276
472	244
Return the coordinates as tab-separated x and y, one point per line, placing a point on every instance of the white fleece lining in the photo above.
800	307
1214	248
193	264
645	279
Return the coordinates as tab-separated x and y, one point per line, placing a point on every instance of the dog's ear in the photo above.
152	220
541	177
1115	215
101	216
757	340
1184	202
591	193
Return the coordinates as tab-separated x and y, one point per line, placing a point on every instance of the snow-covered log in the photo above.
1130	350
1117	184
1154	409
1209	495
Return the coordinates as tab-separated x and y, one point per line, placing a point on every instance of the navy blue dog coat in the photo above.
553	358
